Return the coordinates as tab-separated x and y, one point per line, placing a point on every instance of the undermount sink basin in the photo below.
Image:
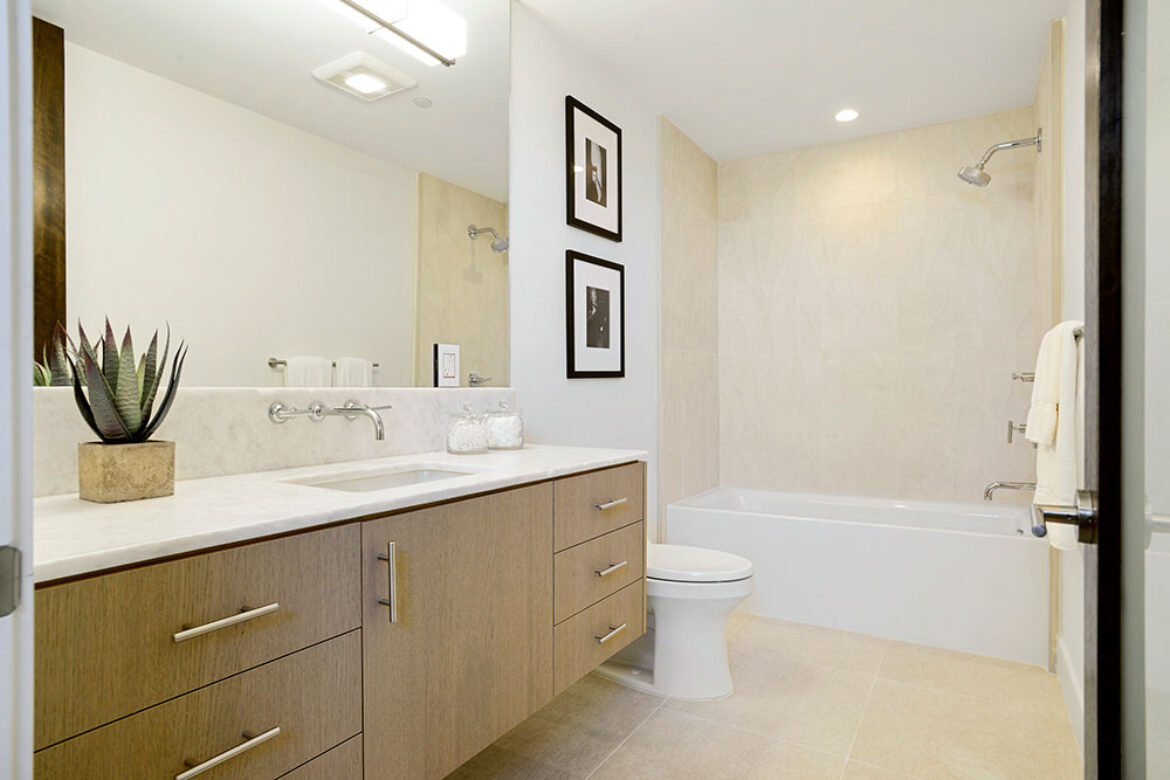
362	482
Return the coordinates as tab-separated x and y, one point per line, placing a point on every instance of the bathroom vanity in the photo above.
385	644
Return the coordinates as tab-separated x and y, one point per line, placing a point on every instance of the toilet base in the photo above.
683	654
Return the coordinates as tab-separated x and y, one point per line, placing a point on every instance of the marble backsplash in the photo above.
220	431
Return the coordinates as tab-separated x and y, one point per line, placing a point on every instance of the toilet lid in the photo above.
681	563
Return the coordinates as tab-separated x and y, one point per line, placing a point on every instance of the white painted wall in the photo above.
601	412
1070	641
253	238
16	252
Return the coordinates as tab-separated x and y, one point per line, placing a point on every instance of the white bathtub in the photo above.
965	576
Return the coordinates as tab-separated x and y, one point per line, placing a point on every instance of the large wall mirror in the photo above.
238	170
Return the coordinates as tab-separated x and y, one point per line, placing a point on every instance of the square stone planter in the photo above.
109	473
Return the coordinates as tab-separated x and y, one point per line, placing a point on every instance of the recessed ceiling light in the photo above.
365	83
846	115
364	76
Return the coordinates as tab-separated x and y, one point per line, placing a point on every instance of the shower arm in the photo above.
1033	141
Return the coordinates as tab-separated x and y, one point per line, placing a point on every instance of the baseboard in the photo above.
1072	686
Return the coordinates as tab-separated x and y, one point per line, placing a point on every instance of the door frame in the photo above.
1114	667
16	630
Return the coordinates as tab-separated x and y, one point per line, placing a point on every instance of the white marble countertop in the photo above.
72	537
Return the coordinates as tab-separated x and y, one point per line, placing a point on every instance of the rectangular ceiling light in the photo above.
427	30
433	24
364	76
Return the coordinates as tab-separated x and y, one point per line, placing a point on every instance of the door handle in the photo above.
1083	515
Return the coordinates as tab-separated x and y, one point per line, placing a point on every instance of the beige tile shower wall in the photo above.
689	379
872	308
462	284
1048	187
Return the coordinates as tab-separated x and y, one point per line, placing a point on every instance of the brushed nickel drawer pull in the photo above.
243	616
613	631
612	568
611	504
391	560
229	754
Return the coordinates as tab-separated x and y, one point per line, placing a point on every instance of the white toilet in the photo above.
691	593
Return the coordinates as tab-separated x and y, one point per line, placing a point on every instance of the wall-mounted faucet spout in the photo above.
989	491
279	413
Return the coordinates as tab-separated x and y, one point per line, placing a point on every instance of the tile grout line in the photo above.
626	739
864	708
761	734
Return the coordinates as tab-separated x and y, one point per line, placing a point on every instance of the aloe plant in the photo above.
56	367
121	391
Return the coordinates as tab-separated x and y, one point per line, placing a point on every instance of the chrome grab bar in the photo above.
611	504
244	615
612	568
613	631
1160	524
391	558
228	755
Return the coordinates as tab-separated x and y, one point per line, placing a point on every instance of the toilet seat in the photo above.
681	563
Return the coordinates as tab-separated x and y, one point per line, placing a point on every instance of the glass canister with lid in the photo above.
468	433
505	429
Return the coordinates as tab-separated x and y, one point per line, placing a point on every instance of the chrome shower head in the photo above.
975	174
499	246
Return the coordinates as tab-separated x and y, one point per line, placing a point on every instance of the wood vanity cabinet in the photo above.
458	629
393	647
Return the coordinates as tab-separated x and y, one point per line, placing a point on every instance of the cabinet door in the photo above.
469	654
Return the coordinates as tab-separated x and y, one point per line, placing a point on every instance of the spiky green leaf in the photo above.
148	370
169	397
107	423
111	360
41	375
154	379
126	399
82	402
60	367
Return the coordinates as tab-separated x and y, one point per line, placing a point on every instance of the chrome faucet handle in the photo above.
475	380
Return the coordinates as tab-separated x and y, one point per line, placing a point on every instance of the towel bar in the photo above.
275	363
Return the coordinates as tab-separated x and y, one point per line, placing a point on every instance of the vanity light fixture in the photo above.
427	30
364	76
847	115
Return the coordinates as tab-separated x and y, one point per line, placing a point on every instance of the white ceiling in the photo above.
745	77
260	54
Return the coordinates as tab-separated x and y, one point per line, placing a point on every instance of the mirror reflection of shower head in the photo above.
976	175
499	246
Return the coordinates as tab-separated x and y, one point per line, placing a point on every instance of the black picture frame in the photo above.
611	192
614	313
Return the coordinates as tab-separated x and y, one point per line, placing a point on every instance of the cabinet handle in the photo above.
244	615
612	568
228	755
392	601
613	631
611	504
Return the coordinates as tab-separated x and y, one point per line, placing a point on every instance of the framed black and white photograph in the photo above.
595	291
593	149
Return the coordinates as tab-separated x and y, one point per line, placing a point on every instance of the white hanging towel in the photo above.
308	371
354	372
1054	424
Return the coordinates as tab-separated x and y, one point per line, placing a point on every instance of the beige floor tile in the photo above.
936	734
855	770
494	763
578	729
736	622
813	644
675	746
813	706
990	679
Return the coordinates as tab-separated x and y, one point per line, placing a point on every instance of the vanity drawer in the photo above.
313	697
106	646
592	570
596	503
343	762
579	645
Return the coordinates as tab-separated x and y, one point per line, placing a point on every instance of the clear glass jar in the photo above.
505	429
468	433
